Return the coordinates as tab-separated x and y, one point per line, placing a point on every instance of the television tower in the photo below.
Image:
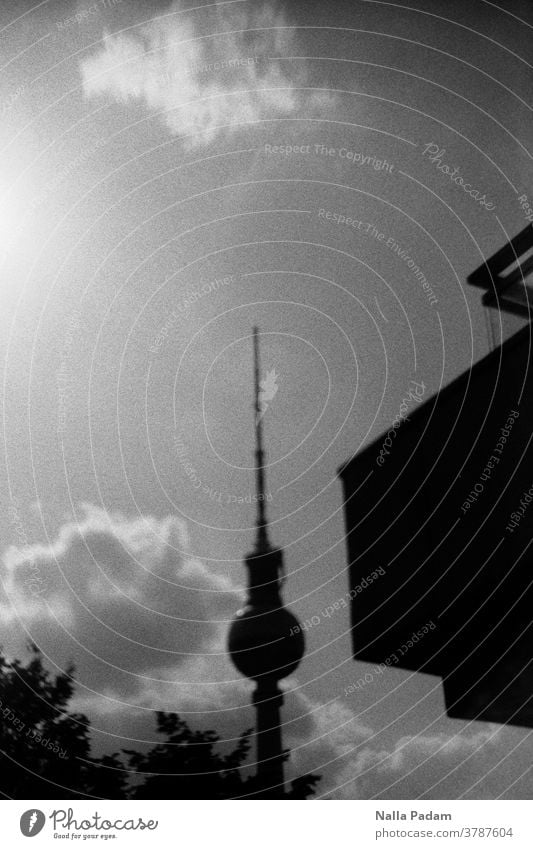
260	642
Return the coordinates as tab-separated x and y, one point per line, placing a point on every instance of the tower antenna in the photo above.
262	543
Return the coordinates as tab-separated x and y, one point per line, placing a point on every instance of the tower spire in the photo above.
262	544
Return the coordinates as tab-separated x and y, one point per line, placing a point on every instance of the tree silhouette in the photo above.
187	766
45	750
44	747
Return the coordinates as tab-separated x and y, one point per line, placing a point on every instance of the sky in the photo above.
170	177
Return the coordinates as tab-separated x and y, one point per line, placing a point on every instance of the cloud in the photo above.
319	735
120	597
208	74
482	764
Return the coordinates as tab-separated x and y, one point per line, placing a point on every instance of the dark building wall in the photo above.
435	515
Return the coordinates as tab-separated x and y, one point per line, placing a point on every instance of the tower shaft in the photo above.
268	700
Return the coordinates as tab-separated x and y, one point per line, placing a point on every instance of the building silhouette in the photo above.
443	502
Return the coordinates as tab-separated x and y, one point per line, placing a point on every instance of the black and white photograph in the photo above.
266	479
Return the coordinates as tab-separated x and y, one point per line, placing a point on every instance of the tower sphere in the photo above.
265	642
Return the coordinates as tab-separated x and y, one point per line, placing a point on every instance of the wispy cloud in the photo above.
207	76
471	764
